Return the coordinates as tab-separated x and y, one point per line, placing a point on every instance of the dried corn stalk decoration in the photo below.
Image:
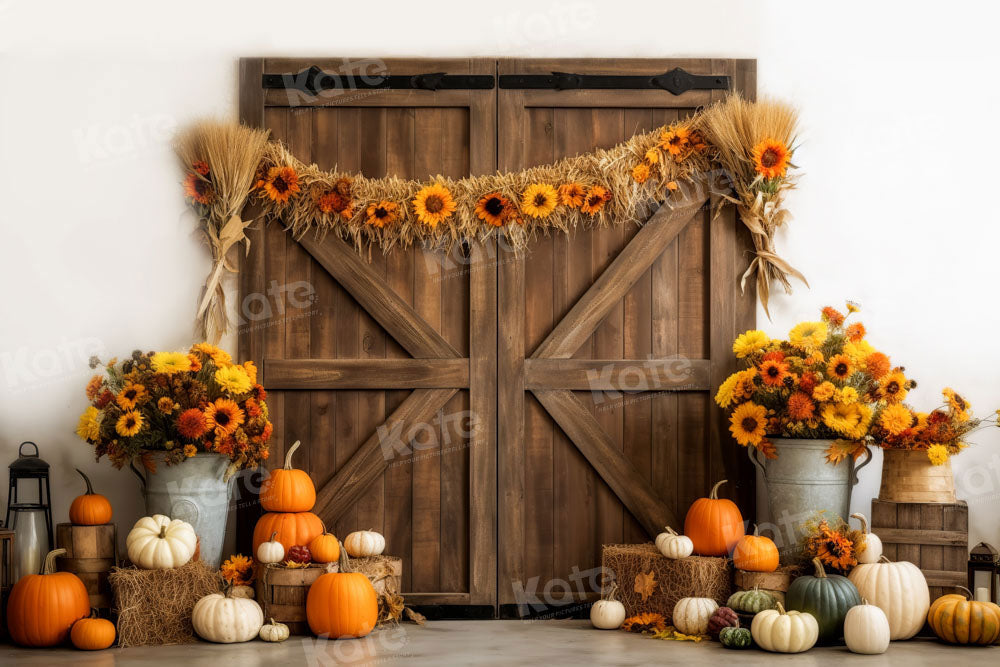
228	166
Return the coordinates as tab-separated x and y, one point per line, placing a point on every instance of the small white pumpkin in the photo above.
363	543
271	551
273	632
784	632
224	619
608	613
866	629
899	589
673	545
159	543
691	615
873	544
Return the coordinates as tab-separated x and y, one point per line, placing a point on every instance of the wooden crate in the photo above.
91	552
932	536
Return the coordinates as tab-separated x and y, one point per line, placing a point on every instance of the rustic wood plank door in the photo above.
611	342
384	369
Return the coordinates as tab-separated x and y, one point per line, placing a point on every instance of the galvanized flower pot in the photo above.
800	483
193	491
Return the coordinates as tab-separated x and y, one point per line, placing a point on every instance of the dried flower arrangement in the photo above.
833	541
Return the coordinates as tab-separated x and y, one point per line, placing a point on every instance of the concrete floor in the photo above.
491	643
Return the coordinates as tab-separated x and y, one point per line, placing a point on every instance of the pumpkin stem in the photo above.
90	488
49	566
272	536
714	495
864	522
271	620
864	600
884	558
820	572
671	530
756	531
344	561
781	608
611	591
967	591
288	456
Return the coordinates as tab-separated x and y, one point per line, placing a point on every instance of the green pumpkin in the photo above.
735	638
751	601
826	597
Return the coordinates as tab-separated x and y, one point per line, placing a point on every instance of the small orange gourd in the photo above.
958	620
90	509
43	607
714	524
92	633
289	528
288	489
754	553
342	604
325	547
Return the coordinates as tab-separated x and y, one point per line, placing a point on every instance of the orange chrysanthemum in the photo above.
832	547
773	372
197	188
381	214
839	366
191	424
855	332
597	197
675	142
224	415
237	570
800	406
200	166
94	387
434	204
877	365
571	195
640	172
771	158
280	183
333	202
495	209
833	316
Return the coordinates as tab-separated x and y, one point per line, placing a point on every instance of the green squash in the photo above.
736	638
751	601
827	598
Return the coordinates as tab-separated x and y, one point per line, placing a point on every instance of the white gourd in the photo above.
273	631
873	544
226	620
866	629
608	613
363	543
691	615
673	545
271	551
784	632
159	543
899	589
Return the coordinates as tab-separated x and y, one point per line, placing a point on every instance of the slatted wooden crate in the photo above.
91	552
933	536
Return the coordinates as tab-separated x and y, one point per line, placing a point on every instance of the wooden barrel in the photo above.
91	552
910	477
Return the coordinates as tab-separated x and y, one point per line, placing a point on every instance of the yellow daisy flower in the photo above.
539	200
233	379
938	454
129	424
190	450
171	362
89	426
750	342
434	204
748	423
808	335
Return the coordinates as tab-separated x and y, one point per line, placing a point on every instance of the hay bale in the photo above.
648	582
154	606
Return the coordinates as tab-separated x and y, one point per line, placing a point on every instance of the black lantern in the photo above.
984	558
32	516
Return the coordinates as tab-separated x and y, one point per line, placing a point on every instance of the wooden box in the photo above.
91	552
932	536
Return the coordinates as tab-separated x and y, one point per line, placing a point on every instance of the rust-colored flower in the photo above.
877	365
647	622
381	214
640	172
771	158
201	167
94	387
191	424
801	406
198	188
855	332
833	316
597	197
237	570
495	209
280	183
832	547
571	195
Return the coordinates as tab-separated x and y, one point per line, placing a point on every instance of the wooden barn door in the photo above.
611	343
384	369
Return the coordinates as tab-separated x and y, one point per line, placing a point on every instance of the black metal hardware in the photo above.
314	80
676	81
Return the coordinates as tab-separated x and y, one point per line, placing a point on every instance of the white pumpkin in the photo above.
271	551
273	632
673	545
691	615
363	543
784	632
608	613
866	629
873	544
159	543
226	620
899	589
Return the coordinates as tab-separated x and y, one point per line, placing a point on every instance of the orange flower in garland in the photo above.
640	172
434	204
571	195
224	415
539	200
337	199
280	183
237	570
201	167
495	209
597	197
198	188
382	214
675	142
771	158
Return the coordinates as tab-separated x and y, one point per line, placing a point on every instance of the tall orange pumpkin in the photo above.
714	524
90	509
288	489
754	553
43	607
342	604
292	528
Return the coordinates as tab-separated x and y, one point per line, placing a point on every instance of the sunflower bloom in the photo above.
839	367
748	422
381	214
957	404
597	197
539	200
571	195
224	416
808	335
280	184
675	142
894	387
129	424
750	342
166	405
434	204
771	158
849	420
233	379
494	209
89	426
170	362
938	454
219	356
131	395
773	372
198	189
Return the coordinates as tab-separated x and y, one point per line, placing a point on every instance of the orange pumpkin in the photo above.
90	509
325	548
43	607
755	553
92	634
291	528
714	524
342	604
958	620
288	489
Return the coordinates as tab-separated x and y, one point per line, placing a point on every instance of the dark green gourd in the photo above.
827	598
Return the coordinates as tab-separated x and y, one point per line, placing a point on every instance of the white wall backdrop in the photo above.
894	210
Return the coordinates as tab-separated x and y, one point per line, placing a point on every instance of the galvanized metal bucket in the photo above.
193	491
799	484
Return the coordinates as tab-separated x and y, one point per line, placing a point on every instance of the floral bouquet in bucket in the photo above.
180	403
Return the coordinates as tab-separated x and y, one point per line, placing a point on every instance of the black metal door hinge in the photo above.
314	80
676	81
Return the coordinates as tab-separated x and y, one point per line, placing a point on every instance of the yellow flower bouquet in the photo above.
180	403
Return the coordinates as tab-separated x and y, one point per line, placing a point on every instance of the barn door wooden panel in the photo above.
611	343
385	366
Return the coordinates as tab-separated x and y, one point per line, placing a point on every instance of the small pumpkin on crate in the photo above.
754	553
92	633
735	638
90	509
325	547
271	551
672	545
721	618
714	524
363	543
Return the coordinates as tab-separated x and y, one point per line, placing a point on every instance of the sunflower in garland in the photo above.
280	183
640	172
748	423
224	415
381	214
597	197
433	205
771	158
495	209
571	195
129	424
198	188
539	200
675	142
